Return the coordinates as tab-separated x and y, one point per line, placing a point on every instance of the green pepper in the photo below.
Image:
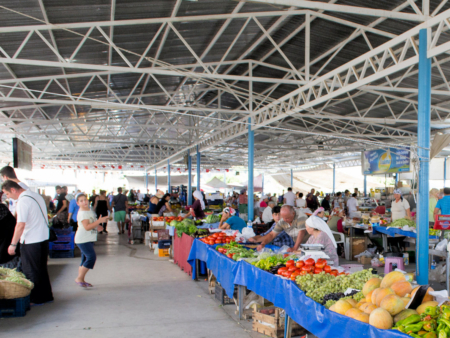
429	325
432	311
430	335
442	334
444	321
413	328
410	320
414	335
445	312
401	328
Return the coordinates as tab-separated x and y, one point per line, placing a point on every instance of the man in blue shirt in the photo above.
73	212
443	205
231	221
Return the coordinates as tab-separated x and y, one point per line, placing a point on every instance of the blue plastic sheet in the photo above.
395	231
312	316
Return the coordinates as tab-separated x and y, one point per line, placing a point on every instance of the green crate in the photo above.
243	208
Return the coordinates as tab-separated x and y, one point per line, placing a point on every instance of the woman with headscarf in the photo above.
163	205
198	206
434	198
320	212
320	233
400	207
7	227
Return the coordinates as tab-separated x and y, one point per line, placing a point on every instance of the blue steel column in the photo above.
423	139
189	192
334	178
146	181
445	170
156	181
292	179
365	185
198	169
168	176
396	179
250	169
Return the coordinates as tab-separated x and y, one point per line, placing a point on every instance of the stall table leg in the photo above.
287	326
241	294
385	242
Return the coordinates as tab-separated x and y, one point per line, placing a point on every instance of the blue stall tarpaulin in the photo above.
303	310
396	231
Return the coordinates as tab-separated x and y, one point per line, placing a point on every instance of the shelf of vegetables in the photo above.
322	300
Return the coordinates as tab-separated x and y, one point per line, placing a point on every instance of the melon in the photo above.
358	315
381	319
421	308
369	297
401	288
352	312
371	284
404	314
427	298
383	293
392	304
332	308
351	301
360	303
342	306
374	295
364	306
391	278
368	310
406	300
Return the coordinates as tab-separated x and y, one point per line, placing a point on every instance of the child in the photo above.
85	237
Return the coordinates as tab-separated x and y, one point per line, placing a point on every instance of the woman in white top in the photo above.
400	207
85	237
300	202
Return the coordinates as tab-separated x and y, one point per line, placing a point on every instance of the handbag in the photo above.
51	233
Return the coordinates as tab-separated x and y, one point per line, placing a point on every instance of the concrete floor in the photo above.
136	294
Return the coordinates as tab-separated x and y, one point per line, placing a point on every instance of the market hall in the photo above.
165	155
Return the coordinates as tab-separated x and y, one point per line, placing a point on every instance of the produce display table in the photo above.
181	248
283	293
384	231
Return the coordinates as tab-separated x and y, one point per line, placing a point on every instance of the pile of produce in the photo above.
235	251
433	232
317	286
12	275
169	220
332	298
400	223
384	304
158	219
217	238
267	262
186	226
212	219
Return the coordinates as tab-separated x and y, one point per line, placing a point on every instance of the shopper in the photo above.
163	205
140	196
352	206
8	173
152	205
434	198
300	202
267	215
443	205
32	232
289	198
73	212
7	227
120	206
264	201
229	220
326	203
92	198
101	207
86	236
131	196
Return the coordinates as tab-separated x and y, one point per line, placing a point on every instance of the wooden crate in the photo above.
211	282
273	325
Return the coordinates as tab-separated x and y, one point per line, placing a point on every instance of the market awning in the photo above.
440	141
217	184
257	183
138	182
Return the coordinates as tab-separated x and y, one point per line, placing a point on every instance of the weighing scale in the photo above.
315	251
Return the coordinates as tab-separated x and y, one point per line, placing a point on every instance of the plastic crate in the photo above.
61	246
221	295
65	238
163	234
10	308
63	232
62	254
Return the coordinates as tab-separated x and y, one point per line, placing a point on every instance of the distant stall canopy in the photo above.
217	184
138	182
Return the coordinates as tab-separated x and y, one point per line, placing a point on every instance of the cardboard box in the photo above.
358	246
365	260
399	185
163	252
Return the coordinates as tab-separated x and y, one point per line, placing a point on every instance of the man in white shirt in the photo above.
352	205
289	198
33	233
267	214
140	196
8	173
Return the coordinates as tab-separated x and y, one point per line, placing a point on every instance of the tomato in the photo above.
281	270
302	273
218	241
293	277
290	263
334	272
212	242
228	240
309	262
317	270
230	256
327	268
225	251
300	264
222	234
342	273
285	255
321	263
287	274
220	250
292	268
215	235
307	268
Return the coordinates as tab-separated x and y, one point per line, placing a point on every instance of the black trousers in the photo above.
34	265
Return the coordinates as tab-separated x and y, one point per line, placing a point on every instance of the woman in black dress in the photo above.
7	227
101	207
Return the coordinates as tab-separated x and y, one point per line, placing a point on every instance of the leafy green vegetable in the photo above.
400	223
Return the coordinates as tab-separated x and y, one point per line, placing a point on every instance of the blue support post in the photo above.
198	169
292	178
156	182
189	192
251	145
365	185
423	139
146	180
445	170
396	179
334	178
168	177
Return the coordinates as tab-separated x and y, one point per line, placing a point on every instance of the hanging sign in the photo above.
22	154
385	161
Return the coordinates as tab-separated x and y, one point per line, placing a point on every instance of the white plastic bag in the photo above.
248	233
442	245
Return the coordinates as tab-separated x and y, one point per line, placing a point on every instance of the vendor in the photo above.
320	212
321	234
197	208
229	220
326	203
400	206
282	239
268	212
153	205
352	206
443	205
163	205
264	202
290	223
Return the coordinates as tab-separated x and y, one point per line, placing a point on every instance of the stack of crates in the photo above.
17	307
64	246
